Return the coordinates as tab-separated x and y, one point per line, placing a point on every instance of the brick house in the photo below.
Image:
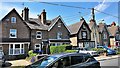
45	33
114	35
81	35
19	34
15	37
104	34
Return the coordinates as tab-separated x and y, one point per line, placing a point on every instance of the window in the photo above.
59	35
76	59
84	35
104	36
59	24
1	48
13	33
13	19
37	47
16	49
38	35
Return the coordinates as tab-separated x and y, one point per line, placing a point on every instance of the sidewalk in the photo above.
100	58
21	62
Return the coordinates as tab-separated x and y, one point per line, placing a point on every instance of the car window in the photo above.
88	58
46	61
76	59
61	63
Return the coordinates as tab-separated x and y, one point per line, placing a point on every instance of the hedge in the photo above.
58	49
70	51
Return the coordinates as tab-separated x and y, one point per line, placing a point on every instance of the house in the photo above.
45	33
81	35
15	36
94	28
114	35
19	34
104	34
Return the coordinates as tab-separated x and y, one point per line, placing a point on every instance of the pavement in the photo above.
101	58
23	62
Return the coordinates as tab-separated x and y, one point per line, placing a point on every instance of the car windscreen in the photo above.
44	61
47	60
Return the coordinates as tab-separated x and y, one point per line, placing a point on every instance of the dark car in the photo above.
69	60
109	50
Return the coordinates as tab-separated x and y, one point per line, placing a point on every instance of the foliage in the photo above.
31	55
99	50
70	51
57	49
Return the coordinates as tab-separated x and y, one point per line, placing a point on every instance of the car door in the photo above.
90	62
76	62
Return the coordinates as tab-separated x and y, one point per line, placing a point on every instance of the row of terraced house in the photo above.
19	33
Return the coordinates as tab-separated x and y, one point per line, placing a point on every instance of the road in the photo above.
111	63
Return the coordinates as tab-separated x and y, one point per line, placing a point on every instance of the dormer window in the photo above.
38	35
59	35
13	19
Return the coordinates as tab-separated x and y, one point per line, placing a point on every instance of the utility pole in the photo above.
94	28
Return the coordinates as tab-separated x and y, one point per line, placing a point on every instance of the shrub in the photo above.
99	50
57	49
70	51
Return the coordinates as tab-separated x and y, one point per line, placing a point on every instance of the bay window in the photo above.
16	49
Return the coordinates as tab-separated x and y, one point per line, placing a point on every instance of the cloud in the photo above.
5	9
102	6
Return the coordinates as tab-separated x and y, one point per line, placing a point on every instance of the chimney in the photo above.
43	17
25	14
81	18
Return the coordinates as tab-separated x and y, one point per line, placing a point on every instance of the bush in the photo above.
31	55
99	50
70	51
57	49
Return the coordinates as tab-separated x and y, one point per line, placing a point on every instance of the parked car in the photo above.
69	60
2	59
85	50
109	50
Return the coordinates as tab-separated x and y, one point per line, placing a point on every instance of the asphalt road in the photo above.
110	63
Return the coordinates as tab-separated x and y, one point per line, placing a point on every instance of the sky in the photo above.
70	15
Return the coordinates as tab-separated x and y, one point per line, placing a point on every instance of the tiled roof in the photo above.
74	28
91	24
34	23
113	30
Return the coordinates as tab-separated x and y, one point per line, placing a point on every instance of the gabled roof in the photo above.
113	30
55	20
91	24
103	26
74	28
13	10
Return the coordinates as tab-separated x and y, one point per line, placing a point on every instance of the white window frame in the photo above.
39	34
40	48
105	36
13	19
13	33
59	35
15	49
